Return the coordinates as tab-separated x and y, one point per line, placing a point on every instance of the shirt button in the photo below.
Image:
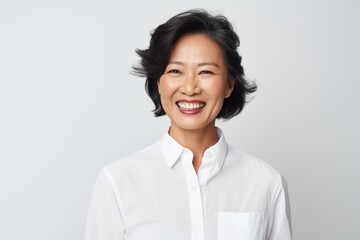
208	154
194	188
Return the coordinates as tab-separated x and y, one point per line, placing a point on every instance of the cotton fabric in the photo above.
156	194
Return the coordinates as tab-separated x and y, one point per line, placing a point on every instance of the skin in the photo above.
196	73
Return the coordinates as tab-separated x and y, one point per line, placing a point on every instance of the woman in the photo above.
191	184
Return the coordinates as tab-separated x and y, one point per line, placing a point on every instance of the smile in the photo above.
190	105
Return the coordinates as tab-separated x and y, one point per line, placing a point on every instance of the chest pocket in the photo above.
241	226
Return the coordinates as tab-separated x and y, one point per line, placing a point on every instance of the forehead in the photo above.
196	47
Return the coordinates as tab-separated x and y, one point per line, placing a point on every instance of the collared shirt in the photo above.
155	194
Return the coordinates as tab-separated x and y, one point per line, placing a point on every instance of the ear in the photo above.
230	88
158	86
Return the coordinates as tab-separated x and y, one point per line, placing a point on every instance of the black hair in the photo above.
155	59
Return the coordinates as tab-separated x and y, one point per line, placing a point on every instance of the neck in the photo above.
196	140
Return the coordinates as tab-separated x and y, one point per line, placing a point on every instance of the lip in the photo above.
190	111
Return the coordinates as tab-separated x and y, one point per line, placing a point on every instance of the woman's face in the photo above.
194	84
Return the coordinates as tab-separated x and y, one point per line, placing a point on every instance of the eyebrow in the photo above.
199	65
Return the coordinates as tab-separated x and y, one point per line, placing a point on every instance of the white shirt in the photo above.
155	194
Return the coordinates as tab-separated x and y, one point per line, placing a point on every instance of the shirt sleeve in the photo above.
104	220
279	227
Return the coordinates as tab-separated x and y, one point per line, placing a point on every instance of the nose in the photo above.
190	85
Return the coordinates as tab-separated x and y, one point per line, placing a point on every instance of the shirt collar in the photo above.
172	150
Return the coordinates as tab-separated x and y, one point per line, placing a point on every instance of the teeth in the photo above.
190	106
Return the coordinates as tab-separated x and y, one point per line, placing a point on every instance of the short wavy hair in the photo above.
155	59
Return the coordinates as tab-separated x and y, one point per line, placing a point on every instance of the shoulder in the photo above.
141	157
252	166
137	165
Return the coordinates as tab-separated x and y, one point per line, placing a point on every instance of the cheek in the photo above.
166	87
215	89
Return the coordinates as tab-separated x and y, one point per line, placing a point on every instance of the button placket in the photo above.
205	168
195	198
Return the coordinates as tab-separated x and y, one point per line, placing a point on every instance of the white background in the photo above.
69	105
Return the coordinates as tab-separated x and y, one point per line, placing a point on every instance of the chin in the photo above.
193	126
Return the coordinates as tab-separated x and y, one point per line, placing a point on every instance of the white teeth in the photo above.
190	106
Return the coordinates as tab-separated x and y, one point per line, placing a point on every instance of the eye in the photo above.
175	71
206	72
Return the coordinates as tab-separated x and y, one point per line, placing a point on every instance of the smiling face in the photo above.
194	84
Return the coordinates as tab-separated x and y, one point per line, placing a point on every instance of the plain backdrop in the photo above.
69	105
